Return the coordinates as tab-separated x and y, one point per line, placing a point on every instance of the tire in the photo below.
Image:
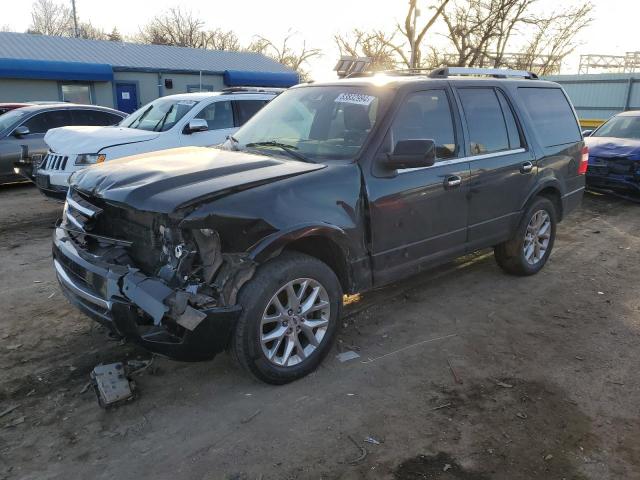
257	300
511	255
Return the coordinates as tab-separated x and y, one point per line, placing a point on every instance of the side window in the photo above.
45	121
218	115
485	122
551	114
426	116
247	109
94	117
515	139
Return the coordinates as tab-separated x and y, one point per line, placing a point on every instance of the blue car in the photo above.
614	154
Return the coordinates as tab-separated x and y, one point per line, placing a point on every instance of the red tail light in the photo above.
584	161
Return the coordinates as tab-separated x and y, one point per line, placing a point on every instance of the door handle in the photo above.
452	181
526	167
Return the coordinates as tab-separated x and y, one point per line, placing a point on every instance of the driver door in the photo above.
219	117
419	215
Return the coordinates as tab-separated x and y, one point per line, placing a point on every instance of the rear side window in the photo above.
515	140
247	109
94	117
551	114
485	121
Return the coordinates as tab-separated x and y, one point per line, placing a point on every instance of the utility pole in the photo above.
412	39
75	18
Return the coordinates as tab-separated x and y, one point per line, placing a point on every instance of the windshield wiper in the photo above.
289	149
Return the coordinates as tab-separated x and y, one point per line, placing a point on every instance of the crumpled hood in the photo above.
67	140
609	147
168	180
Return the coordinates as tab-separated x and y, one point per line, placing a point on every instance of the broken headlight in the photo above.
90	158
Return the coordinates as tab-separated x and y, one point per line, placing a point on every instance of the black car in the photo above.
22	132
332	188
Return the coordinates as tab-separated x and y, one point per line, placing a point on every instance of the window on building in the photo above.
485	122
218	115
76	93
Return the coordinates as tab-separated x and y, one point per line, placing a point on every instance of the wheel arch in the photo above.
551	190
325	242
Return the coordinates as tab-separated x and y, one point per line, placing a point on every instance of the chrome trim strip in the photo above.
453	161
73	220
574	191
76	206
77	289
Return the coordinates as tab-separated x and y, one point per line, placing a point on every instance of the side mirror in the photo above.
21	131
196	125
412	154
587	133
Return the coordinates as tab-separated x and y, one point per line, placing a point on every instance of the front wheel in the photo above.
528	251
291	309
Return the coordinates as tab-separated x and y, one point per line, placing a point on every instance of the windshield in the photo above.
9	119
159	115
317	123
620	127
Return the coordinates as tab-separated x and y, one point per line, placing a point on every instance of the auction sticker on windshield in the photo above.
355	98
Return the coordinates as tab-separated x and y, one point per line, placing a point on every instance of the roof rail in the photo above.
230	90
445	72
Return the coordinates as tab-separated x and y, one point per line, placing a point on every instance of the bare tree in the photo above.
175	27
219	39
415	34
285	53
88	31
50	18
491	33
375	45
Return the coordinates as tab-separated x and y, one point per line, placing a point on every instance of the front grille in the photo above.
120	223
54	162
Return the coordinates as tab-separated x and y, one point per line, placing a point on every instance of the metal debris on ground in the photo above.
372	440
14	347
548	457
447	466
439	407
521	415
347	355
363	451
15	422
111	384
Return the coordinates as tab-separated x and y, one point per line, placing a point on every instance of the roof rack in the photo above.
230	90
446	72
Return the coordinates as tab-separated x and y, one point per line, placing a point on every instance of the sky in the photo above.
614	30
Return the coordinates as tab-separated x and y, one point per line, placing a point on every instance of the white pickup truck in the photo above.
190	119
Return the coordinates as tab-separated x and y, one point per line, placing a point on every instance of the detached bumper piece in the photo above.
136	307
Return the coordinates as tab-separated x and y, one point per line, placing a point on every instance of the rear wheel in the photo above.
528	251
291	309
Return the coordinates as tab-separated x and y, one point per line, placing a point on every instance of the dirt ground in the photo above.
464	373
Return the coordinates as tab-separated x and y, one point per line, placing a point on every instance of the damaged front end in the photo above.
169	289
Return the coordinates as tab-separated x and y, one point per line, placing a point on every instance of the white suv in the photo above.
190	119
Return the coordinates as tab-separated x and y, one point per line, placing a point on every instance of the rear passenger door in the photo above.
419	215
502	168
245	109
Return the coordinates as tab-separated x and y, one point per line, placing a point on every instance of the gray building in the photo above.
596	97
123	75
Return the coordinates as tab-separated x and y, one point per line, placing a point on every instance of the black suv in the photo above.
332	188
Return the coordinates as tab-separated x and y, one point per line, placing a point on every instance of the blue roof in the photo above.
235	78
131	56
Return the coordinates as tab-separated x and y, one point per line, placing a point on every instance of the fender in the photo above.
546	182
272	245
